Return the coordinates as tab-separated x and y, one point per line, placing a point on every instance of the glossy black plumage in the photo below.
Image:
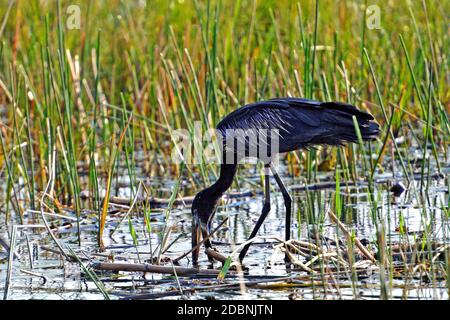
301	123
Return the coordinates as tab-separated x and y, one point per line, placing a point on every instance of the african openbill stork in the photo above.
300	123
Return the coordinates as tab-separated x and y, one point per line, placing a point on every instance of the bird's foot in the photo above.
239	266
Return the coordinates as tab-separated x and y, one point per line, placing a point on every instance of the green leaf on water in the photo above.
132	232
225	268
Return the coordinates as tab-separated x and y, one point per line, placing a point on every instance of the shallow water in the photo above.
54	278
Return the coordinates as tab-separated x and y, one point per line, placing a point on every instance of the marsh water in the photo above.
39	273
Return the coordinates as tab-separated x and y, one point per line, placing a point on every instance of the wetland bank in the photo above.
92	205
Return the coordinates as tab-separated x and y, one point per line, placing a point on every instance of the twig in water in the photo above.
215	255
159	202
347	233
134	267
201	242
70	257
34	274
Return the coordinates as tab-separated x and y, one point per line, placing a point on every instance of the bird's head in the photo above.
203	209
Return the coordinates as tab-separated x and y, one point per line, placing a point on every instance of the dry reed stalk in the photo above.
347	233
128	267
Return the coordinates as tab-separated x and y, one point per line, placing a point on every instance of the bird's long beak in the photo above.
196	234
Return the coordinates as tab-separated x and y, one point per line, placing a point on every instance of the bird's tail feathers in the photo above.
343	127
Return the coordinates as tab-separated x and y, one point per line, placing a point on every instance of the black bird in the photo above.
301	123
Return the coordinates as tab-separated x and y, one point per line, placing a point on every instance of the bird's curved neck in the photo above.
227	173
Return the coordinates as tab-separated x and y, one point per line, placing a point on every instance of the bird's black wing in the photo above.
302	122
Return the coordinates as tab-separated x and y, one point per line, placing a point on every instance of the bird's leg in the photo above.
205	233
264	213
287	203
196	234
